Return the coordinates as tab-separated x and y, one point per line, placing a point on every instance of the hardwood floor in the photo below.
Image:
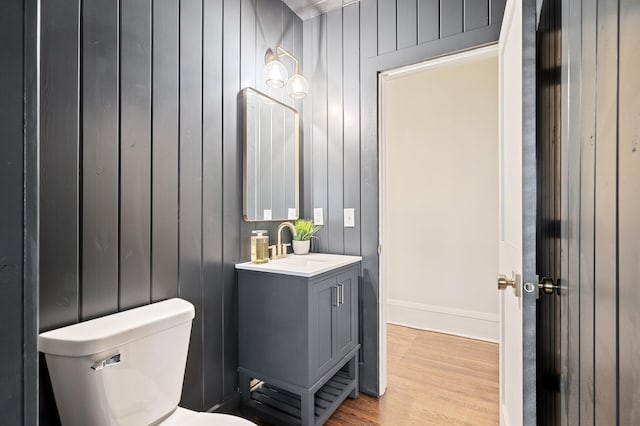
433	379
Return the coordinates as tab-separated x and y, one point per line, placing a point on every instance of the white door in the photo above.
513	186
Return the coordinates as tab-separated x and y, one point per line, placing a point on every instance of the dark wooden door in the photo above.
549	58
601	221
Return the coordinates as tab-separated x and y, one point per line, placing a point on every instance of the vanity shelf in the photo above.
284	407
299	337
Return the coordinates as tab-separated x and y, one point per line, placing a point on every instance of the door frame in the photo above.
369	78
455	59
371	65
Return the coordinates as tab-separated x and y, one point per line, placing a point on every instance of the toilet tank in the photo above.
120	369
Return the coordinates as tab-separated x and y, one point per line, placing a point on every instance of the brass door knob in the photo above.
513	282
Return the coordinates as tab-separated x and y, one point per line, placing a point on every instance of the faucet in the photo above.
281	249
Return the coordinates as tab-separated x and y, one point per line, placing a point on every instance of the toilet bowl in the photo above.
183	416
125	369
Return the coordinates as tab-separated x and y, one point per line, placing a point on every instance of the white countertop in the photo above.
307	265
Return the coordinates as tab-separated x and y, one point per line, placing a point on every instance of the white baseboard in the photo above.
458	322
504	416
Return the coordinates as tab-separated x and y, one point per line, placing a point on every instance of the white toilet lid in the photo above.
184	417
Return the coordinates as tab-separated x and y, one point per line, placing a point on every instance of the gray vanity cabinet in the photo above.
298	341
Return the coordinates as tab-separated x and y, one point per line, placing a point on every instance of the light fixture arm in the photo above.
280	52
276	74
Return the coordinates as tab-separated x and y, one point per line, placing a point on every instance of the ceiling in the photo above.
306	9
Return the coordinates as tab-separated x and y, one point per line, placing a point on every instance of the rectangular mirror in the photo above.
271	169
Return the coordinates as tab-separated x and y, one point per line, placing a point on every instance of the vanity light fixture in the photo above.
276	74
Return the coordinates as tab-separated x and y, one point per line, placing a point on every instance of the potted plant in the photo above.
305	230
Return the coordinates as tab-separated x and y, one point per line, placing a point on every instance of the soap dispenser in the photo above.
259	246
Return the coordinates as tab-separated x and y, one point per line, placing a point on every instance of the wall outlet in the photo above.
318	216
349	218
267	215
292	214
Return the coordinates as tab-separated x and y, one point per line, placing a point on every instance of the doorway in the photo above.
438	162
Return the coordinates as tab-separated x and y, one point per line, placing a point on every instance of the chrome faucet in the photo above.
281	249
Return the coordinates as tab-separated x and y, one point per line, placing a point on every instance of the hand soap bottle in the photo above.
259	246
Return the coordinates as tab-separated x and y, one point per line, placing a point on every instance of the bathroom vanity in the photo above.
298	325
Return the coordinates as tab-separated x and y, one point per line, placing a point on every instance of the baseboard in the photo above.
458	322
231	405
504	416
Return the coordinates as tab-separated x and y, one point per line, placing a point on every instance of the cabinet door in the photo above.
346	313
324	304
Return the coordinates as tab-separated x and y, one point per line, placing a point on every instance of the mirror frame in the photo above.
245	183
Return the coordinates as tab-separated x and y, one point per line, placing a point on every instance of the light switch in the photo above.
349	218
292	214
266	214
318	216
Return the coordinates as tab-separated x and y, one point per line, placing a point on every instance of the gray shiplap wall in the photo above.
18	212
142	164
344	50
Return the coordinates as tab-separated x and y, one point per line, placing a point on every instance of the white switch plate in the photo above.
266	215
292	213
349	218
318	216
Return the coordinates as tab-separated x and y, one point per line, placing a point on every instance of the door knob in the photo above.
547	286
513	282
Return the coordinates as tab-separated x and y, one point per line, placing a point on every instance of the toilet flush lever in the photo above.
107	362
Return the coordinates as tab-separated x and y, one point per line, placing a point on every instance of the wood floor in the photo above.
433	379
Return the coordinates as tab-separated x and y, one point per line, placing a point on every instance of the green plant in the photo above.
305	229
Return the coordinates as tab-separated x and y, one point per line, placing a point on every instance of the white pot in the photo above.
301	247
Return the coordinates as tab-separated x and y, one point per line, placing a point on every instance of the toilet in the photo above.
125	369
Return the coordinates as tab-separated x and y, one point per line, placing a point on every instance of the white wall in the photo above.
440	199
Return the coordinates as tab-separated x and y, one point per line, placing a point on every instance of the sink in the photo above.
300	261
307	265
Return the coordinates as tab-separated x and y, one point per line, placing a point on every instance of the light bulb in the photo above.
297	86
275	73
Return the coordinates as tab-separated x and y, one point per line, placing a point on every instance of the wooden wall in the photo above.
141	164
344	50
601	183
18	212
